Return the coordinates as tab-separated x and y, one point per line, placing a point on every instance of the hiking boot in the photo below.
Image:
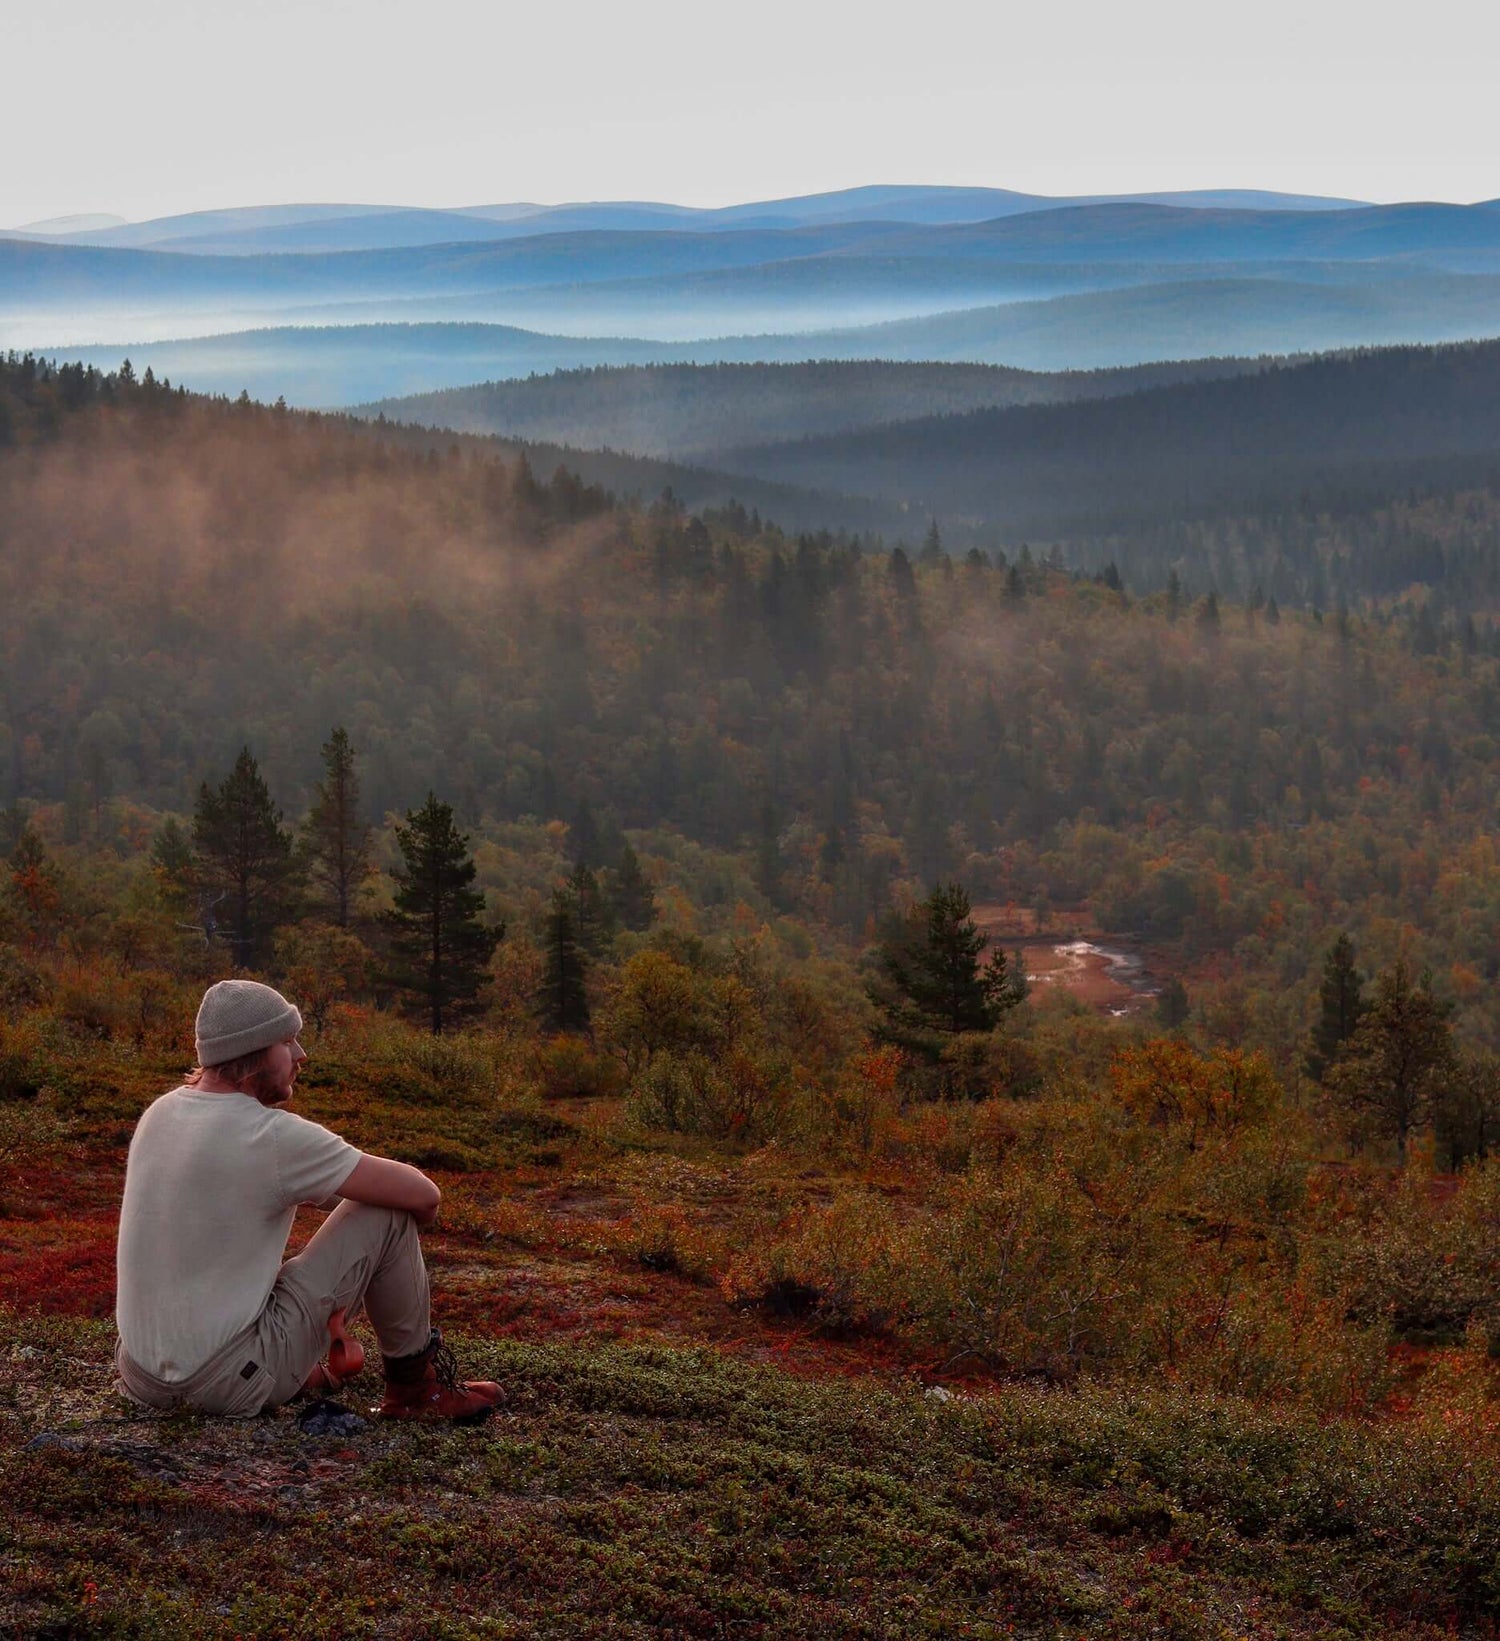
426	1386
345	1361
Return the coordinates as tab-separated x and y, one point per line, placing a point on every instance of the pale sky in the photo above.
159	106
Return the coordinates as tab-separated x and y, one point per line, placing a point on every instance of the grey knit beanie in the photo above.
239	1016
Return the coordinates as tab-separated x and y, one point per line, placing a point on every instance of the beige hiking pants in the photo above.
360	1256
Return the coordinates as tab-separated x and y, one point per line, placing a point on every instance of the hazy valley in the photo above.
973	723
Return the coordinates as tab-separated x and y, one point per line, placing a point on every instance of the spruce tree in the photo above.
583	836
1341	1002
1172	1007
440	945
1399	1058
33	886
929	983
172	863
562	999
336	839
593	914
631	894
243	859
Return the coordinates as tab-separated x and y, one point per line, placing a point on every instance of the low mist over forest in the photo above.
335	305
894	793
848	721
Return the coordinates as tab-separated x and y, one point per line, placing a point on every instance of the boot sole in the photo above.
479	1416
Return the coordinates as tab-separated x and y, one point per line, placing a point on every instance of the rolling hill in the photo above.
1370	421
248	230
688	411
355	364
549	270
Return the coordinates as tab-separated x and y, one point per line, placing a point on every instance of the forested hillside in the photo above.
692	411
1278	451
703	906
183	577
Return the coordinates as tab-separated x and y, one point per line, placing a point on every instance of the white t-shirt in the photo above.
212	1185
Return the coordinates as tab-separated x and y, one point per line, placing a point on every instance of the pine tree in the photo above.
593	914
172	862
630	894
902	578
441	946
1398	1057
1341	1002
562	1000
1172	1005
33	887
583	836
768	863
1466	1112
335	837
244	860
929	984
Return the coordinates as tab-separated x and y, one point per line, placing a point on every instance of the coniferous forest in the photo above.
720	912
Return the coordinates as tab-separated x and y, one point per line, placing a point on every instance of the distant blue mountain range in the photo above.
249	230
329	304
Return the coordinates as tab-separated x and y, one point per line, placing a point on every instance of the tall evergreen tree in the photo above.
1398	1059
172	863
244	860
33	887
1466	1112
1172	1007
902	578
583	836
1341	1002
335	837
441	946
929	982
562	1000
631	894
593	914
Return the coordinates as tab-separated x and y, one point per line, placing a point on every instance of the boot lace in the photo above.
444	1366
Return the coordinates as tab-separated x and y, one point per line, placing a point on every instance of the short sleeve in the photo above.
312	1162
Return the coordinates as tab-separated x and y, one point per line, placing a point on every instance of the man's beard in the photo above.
263	1085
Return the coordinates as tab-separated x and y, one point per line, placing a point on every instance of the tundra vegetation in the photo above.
842	1282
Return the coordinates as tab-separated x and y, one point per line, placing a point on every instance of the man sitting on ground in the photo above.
209	1316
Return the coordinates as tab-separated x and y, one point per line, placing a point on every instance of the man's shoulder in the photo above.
293	1126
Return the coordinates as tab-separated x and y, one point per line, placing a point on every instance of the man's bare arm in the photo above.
384	1183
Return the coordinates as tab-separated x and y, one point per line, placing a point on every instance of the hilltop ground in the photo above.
670	1462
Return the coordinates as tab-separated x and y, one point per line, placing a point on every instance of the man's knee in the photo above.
371	1214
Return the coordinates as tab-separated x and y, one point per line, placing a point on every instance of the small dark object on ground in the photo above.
50	1438
327	1418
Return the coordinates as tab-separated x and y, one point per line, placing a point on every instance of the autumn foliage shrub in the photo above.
1168	1083
860	1112
839	1264
734	1098
1424	1262
568	1067
20	1068
395	1058
667	1237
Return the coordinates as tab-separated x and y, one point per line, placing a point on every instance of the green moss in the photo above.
644	1492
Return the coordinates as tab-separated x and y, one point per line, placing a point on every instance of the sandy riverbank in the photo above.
1107	975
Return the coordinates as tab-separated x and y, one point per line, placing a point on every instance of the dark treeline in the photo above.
690	411
1350	435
